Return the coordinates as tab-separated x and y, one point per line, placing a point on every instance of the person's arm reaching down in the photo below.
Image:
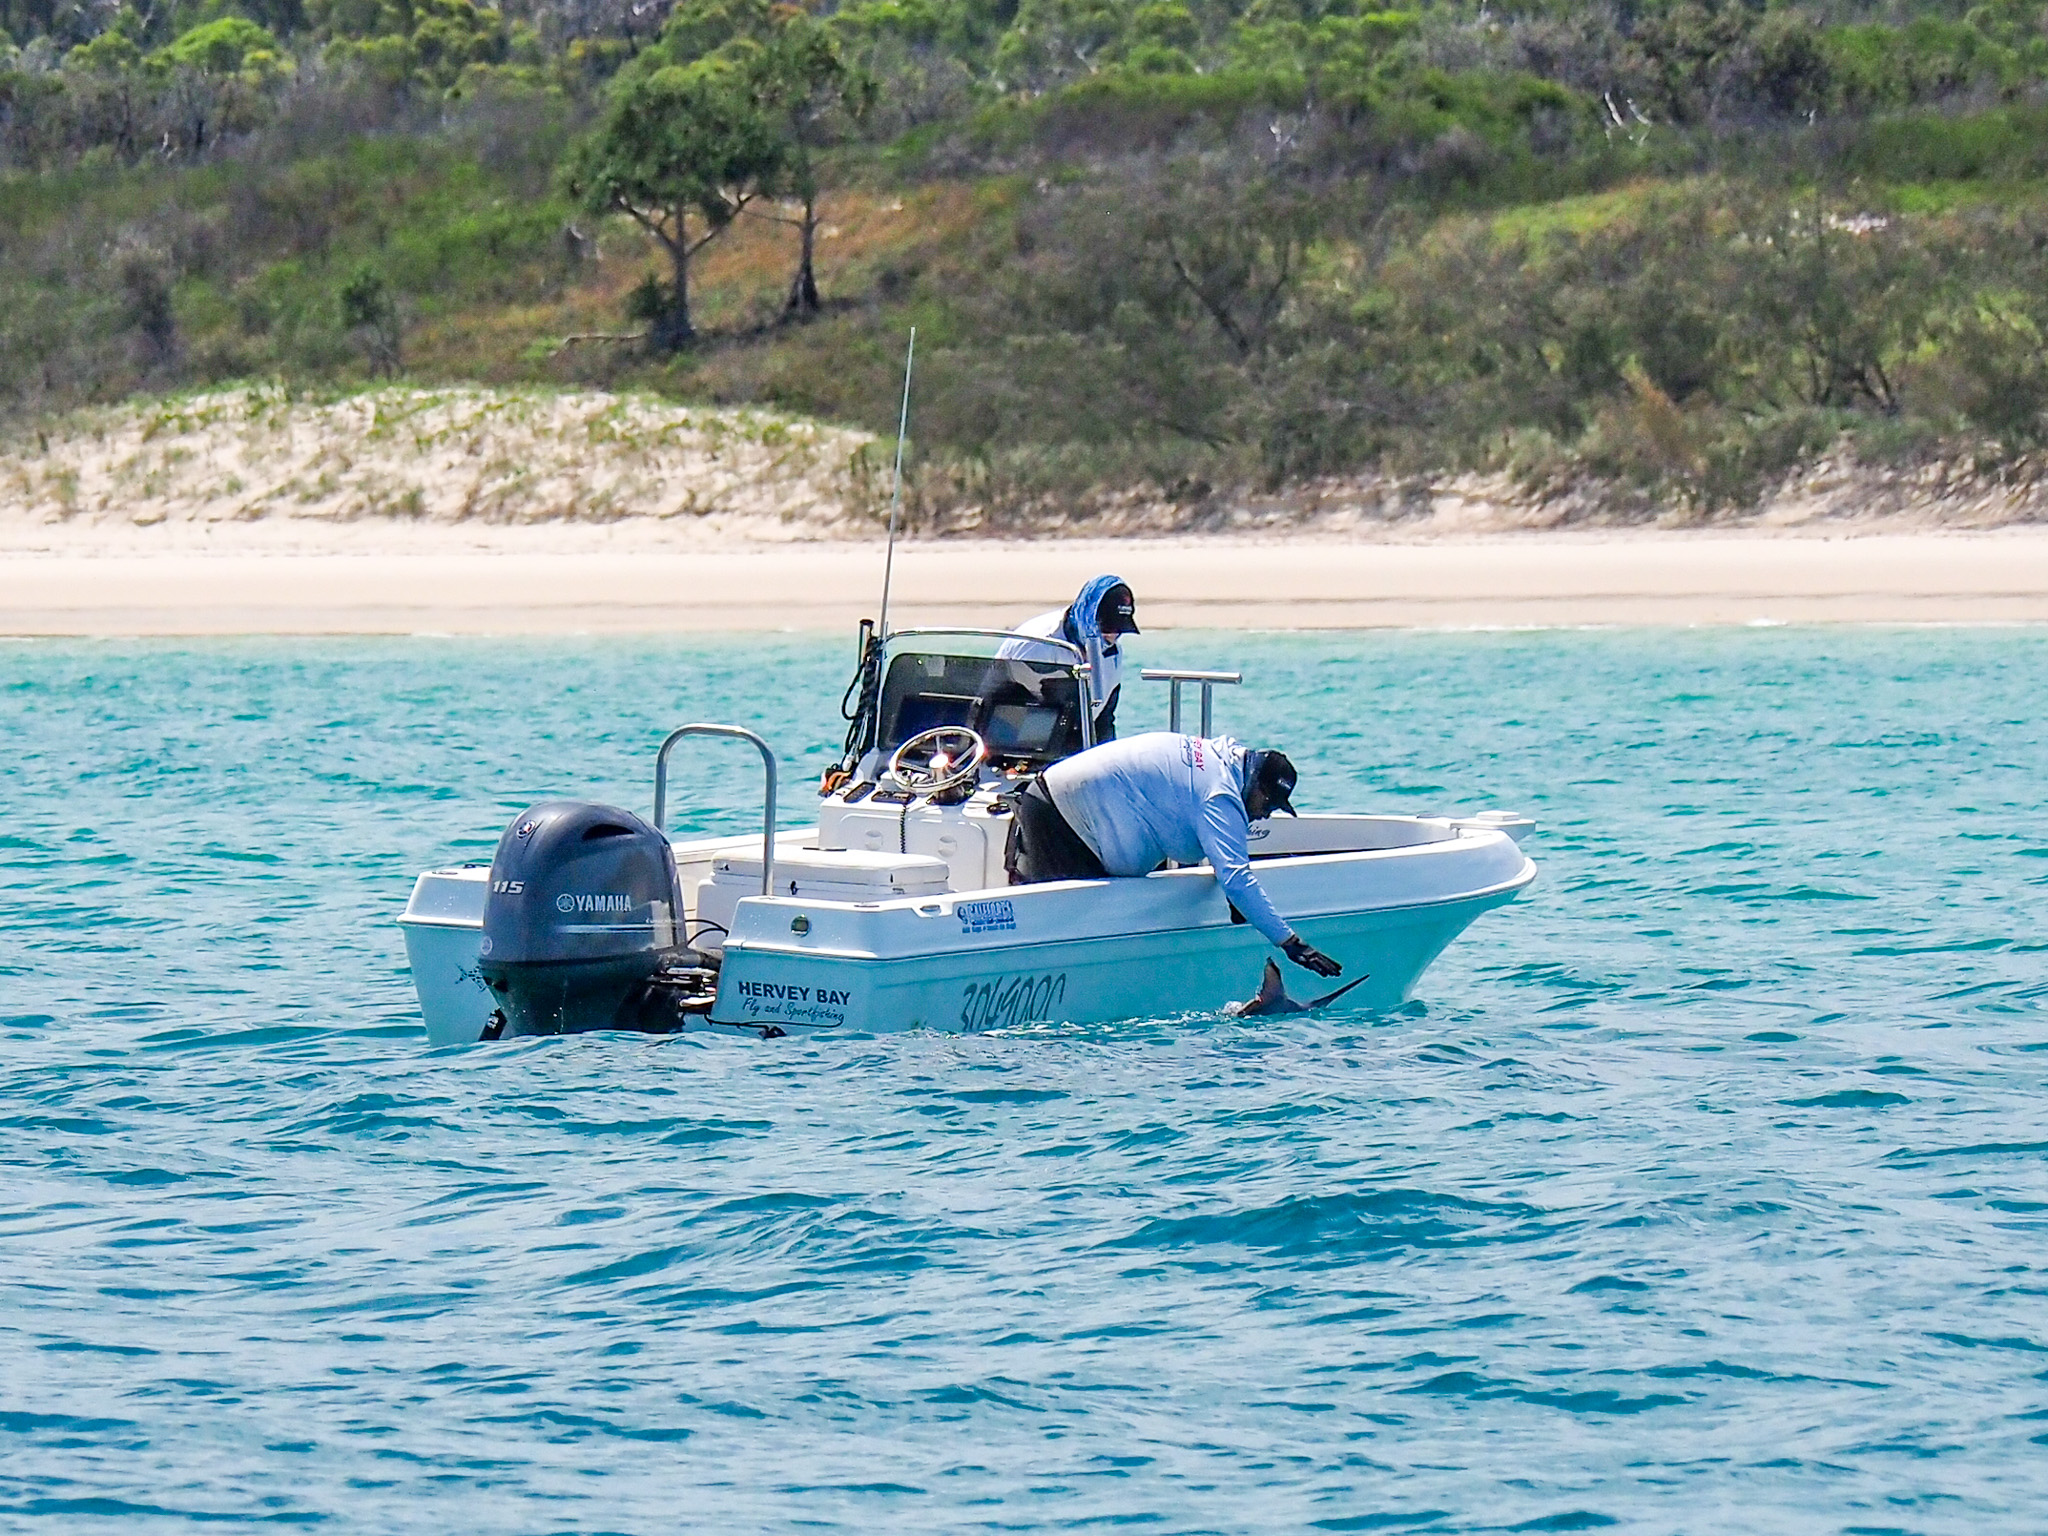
1224	833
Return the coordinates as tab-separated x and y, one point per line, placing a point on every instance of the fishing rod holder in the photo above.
1209	682
738	733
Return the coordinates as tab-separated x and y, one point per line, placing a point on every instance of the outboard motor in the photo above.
583	911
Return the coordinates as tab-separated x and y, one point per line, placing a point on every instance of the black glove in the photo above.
1309	958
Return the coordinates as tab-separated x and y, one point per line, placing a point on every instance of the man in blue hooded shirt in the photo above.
1124	809
1094	621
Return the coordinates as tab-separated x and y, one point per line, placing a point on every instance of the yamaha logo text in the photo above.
593	901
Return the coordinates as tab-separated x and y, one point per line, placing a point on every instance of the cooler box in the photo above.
819	873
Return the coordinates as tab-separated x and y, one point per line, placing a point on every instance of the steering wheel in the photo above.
952	755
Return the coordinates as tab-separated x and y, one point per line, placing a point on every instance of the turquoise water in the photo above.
1706	1189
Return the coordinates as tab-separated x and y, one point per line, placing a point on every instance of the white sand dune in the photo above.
259	468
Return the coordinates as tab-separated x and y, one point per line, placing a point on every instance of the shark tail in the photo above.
1330	997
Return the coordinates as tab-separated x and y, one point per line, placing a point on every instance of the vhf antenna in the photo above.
896	496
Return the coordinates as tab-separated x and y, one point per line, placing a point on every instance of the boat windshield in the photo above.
1029	711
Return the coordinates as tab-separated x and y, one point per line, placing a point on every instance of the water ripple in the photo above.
1703	1191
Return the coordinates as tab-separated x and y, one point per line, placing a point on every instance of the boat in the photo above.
894	911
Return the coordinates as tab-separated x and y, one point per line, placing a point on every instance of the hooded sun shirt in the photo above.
1146	799
1079	624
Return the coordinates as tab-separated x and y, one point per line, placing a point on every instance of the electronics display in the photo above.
1020	730
1027	711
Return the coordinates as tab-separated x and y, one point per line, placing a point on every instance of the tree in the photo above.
215	74
1156	304
107	84
228	45
1050	42
370	314
429	43
1834	302
804	81
1678	56
146	286
1235	245
797	71
682	151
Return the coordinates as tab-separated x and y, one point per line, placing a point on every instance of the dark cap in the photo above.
1273	773
1117	613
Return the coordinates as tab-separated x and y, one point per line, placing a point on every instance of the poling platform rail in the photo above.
1209	682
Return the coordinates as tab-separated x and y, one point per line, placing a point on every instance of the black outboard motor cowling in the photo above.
583	909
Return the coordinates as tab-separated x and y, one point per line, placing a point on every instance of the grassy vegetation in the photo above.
1672	252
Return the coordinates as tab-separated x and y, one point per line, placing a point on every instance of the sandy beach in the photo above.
465	510
549	585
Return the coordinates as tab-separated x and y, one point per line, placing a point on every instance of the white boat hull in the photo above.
444	934
1077	952
1088	981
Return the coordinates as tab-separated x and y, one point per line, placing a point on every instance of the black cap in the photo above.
1274	774
1117	613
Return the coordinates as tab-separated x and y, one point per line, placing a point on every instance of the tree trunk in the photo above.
671	331
803	289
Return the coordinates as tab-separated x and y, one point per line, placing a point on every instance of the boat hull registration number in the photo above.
1010	1000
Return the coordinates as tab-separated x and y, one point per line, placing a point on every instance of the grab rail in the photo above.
990	634
1176	677
739	733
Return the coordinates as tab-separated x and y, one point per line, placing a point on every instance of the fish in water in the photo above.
1272	997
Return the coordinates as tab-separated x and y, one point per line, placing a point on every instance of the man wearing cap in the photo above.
1094	621
1125	808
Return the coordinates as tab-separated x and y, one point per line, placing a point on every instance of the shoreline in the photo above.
546	585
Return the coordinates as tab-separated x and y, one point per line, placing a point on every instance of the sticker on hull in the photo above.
986	916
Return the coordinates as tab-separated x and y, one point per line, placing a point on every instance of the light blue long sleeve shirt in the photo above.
1146	799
